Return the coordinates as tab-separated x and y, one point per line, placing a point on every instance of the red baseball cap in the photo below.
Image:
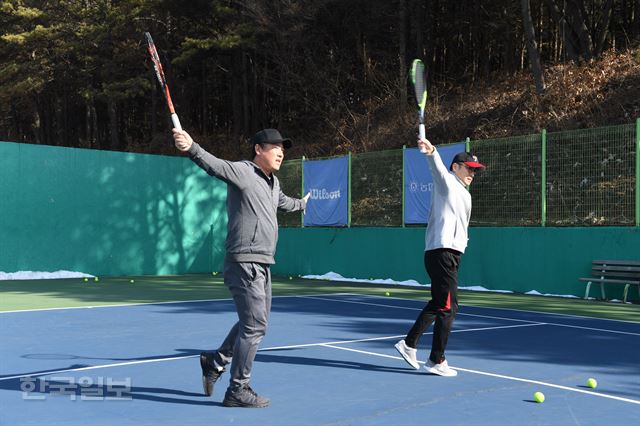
468	159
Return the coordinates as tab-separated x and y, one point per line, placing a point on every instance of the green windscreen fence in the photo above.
114	213
107	213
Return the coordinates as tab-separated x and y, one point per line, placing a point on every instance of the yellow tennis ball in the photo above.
592	383
386	293
96	279
538	397
86	279
132	281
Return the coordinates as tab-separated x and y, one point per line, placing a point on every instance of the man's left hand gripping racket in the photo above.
420	87
157	65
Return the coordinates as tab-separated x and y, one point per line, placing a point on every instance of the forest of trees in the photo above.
327	73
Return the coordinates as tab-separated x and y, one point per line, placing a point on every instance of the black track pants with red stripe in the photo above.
442	266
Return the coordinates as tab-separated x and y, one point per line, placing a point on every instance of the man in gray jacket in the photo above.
446	240
253	198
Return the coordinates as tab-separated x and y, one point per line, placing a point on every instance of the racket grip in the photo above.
176	121
422	136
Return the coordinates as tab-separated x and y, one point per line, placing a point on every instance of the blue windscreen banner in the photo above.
418	183
328	183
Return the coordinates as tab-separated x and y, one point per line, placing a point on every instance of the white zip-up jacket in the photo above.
450	208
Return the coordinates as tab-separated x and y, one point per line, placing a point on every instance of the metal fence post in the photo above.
302	188
213	248
404	147
637	171
349	199
543	184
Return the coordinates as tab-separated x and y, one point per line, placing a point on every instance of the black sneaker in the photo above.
244	397
209	372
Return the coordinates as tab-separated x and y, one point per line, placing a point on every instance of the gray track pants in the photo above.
250	286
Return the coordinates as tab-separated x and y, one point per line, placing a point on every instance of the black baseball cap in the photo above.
270	136
469	159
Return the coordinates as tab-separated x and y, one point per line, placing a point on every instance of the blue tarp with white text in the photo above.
418	182
328	183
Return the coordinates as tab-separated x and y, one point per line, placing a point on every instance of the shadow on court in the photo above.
55	388
179	353
269	357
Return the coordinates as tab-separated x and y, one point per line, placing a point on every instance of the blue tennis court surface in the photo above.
326	360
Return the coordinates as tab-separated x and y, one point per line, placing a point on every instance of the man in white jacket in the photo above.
446	240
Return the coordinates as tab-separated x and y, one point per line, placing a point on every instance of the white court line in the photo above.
594	329
273	348
500	376
319	297
513	310
309	345
481	316
412	309
152	303
371	339
112	306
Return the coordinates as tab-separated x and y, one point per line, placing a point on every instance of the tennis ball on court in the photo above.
538	397
86	280
132	281
592	383
290	278
96	279
386	293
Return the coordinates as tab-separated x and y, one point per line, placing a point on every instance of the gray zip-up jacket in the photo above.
450	208
253	199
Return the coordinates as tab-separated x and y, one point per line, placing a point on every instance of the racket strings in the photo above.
419	84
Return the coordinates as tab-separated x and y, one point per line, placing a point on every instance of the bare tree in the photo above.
565	30
532	48
601	29
402	52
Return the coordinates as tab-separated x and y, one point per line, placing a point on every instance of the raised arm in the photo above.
224	170
438	169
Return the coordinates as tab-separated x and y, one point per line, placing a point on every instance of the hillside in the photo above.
599	93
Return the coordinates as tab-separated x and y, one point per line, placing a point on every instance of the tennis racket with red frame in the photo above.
157	66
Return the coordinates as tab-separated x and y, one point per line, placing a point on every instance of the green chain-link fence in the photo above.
290	176
575	178
376	188
507	192
591	177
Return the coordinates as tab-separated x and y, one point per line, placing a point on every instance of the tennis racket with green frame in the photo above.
420	88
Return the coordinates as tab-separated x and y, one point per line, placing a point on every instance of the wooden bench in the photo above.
603	272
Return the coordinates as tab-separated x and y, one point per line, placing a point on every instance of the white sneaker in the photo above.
441	369
409	354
